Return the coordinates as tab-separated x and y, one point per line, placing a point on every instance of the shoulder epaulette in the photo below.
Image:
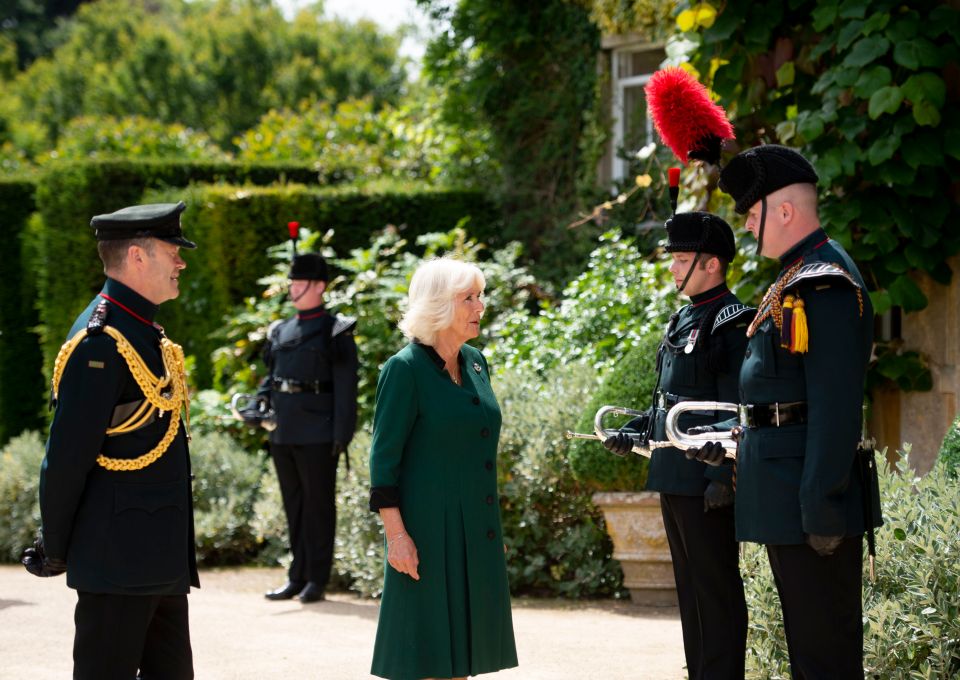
273	326
731	312
342	324
98	319
818	270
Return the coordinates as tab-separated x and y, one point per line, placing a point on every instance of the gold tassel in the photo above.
801	336
786	323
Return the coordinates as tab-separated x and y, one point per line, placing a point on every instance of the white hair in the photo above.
432	296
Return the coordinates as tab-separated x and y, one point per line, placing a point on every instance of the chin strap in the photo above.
693	265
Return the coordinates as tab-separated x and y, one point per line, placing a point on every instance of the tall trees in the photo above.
527	72
213	65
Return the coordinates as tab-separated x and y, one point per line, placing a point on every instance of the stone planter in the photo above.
640	544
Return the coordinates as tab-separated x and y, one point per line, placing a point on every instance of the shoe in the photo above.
286	591
312	593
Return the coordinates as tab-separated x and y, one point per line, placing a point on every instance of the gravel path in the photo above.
239	635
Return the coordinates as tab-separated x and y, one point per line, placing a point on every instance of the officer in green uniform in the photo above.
699	359
800	489
115	490
312	390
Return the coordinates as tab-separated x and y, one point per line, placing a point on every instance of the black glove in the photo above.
711	453
37	563
824	545
717	495
621	443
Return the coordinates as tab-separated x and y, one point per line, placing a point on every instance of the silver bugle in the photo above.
602	434
242	401
684	441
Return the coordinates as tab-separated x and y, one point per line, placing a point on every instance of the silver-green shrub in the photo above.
19	504
225	488
911	612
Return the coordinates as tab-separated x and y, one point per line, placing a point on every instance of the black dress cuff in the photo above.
384	497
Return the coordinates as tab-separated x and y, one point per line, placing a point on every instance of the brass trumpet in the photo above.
253	410
676	437
602	434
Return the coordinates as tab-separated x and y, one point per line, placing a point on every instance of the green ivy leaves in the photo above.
885	100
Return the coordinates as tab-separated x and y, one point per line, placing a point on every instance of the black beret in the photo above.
758	172
155	220
308	267
700	232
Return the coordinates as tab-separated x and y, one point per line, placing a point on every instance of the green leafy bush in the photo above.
619	298
225	488
19	502
91	137
358	558
630	384
555	537
949	455
911	612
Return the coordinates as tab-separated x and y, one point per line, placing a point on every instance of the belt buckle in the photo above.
661	401
285	385
776	413
745	414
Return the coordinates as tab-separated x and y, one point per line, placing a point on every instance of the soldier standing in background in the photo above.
312	389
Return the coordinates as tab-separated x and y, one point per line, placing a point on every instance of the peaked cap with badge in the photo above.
153	220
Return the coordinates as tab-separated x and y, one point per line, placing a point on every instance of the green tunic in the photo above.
435	443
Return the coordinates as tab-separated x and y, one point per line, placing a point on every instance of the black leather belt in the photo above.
291	386
772	415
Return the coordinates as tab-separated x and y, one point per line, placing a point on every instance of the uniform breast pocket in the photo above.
148	534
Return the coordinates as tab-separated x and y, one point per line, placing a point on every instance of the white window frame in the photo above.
620	165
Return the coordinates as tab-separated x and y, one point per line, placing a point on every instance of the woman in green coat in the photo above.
445	611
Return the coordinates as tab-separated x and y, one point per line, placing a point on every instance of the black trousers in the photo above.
822	608
117	635
308	483
713	612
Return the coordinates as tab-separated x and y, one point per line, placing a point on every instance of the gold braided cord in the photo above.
140	462
152	386
772	303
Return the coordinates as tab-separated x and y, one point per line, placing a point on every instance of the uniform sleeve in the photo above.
89	389
345	379
393	420
834	371
265	388
733	336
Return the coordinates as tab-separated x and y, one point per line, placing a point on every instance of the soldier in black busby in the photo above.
806	486
312	390
115	491
699	360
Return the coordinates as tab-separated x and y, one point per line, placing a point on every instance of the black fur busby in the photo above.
700	232
309	267
758	172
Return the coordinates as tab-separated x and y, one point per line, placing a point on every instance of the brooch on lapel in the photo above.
476	366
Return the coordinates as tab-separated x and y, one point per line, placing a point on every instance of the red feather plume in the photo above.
687	120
